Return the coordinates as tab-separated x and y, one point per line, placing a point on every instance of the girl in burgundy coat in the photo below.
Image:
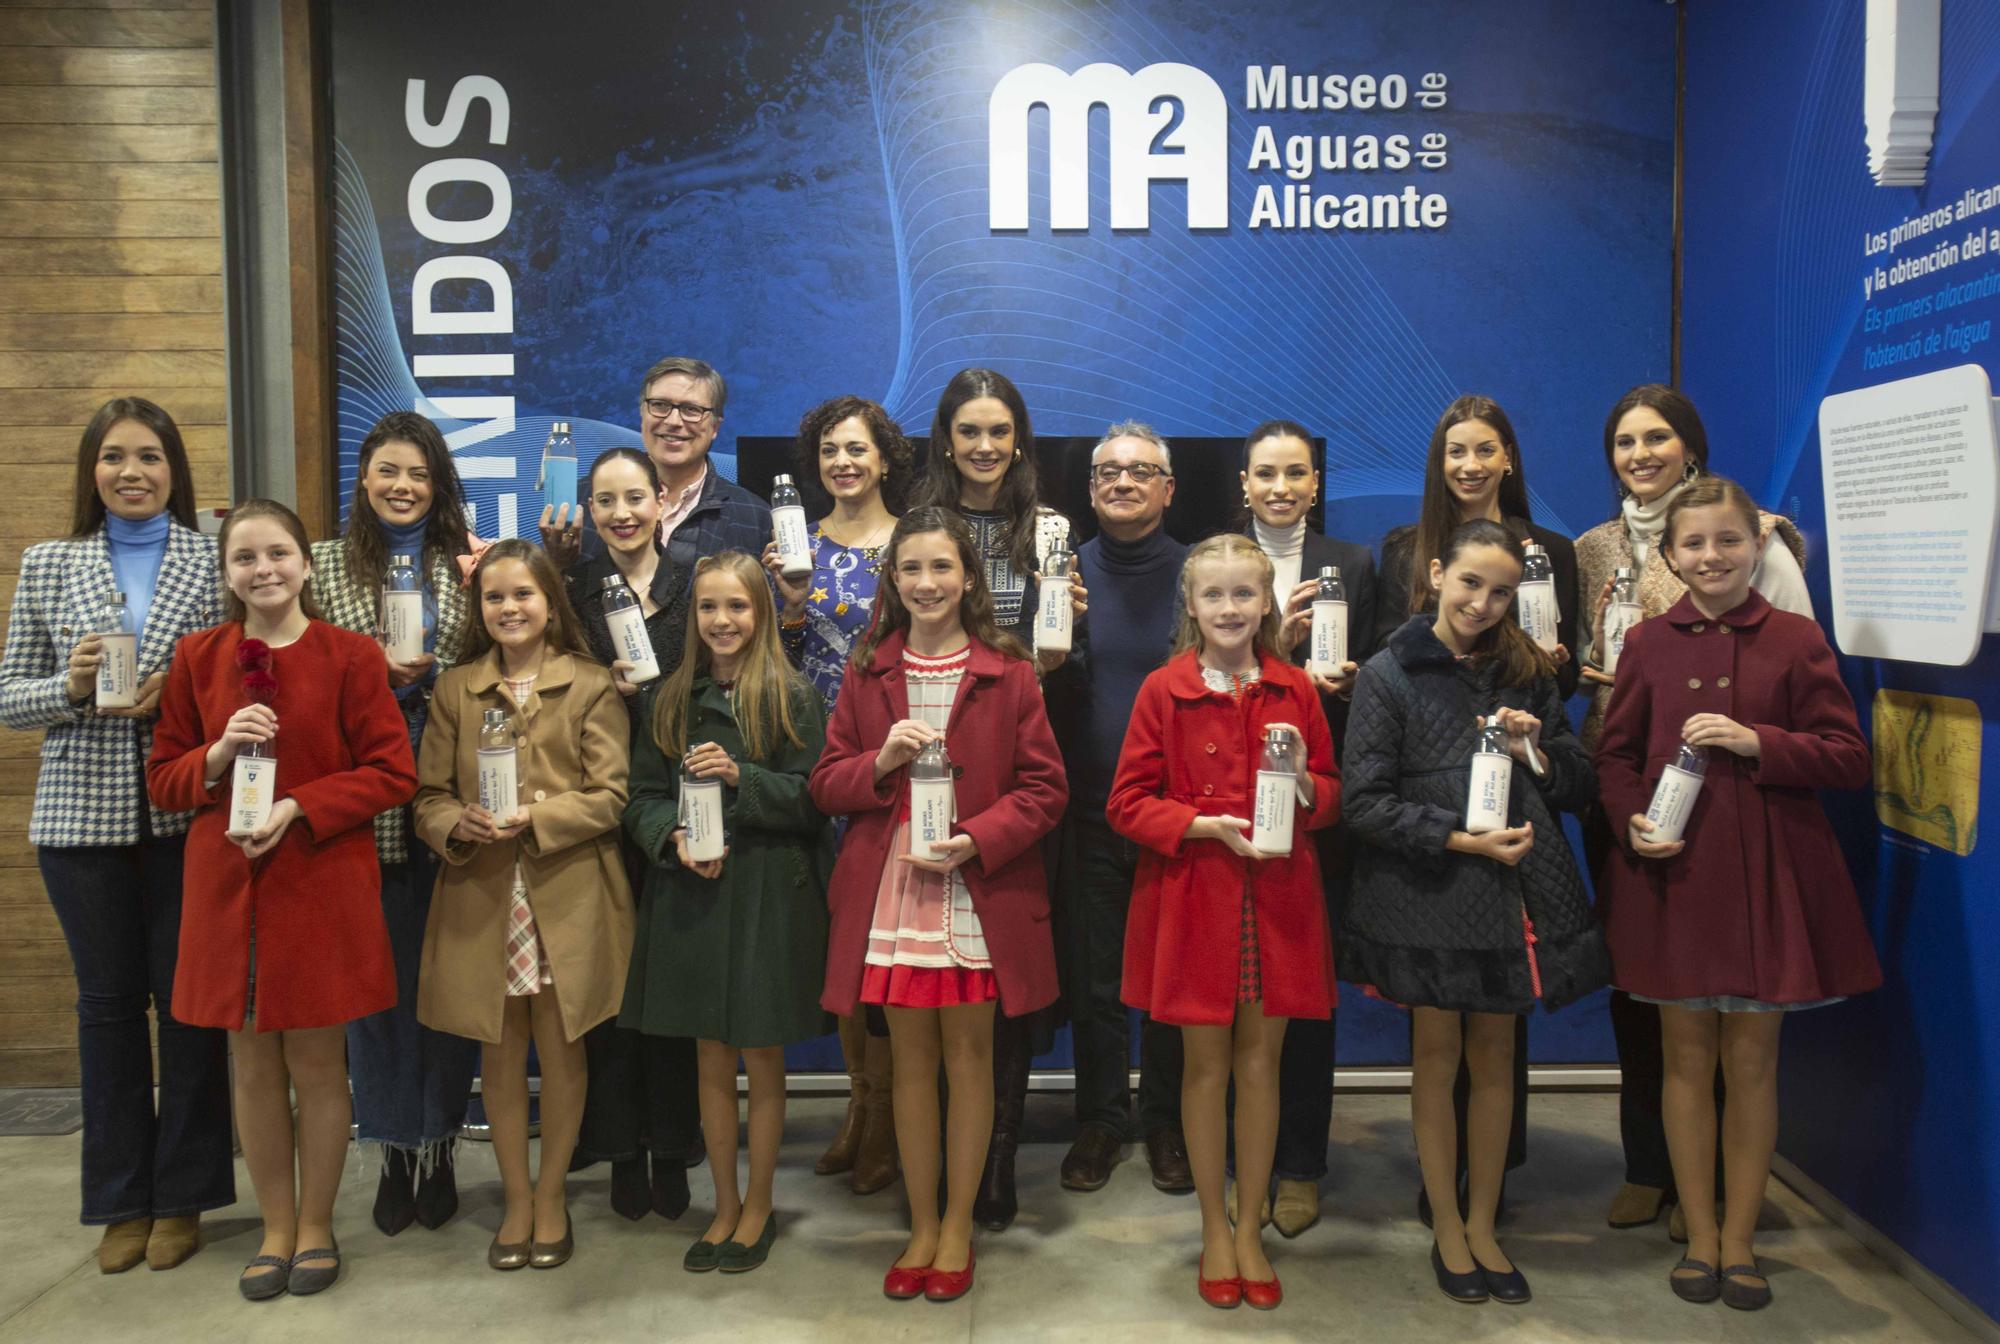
941	941
1752	913
283	940
1221	940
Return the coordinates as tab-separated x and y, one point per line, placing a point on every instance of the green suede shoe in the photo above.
703	1256
736	1258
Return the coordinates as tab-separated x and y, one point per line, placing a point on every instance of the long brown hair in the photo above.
1520	659
1672	406
86	513
249	510
444	526
1020	491
1221	547
565	632
975	609
765	681
1438	517
1707	492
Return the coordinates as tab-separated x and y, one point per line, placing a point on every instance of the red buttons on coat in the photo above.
1694	683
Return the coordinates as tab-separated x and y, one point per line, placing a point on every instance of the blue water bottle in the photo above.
558	476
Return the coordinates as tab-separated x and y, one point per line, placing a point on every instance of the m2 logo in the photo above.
1169	123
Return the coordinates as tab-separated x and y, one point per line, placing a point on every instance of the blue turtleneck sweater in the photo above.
137	548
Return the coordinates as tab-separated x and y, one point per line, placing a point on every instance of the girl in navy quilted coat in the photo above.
1449	922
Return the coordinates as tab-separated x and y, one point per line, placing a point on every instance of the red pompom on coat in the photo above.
315	899
1192	751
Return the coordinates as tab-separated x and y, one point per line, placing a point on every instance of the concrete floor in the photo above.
1111	1266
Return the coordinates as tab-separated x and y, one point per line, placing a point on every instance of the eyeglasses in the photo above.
1143	473
691	413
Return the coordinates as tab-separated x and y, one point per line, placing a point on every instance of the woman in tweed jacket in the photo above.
410	1083
111	862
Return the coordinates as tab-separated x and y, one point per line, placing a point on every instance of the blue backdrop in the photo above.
798	193
1892	1101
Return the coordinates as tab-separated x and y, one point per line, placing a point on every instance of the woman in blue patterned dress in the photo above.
862	467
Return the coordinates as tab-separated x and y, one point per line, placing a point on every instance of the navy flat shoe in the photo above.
1509	1286
1470	1288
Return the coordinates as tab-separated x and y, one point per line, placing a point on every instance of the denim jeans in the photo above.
411	1084
1097	868
120	910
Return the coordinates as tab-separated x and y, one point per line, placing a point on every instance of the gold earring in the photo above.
1017	454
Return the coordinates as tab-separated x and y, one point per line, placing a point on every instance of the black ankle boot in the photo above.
437	1190
395	1196
629	1195
670	1188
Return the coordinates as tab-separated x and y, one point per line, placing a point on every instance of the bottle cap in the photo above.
1534	548
1624	572
495	717
781	478
117	599
399	561
1329	571
613	581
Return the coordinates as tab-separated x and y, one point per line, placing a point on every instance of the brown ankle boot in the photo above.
124	1245
839	1155
875	1160
172	1241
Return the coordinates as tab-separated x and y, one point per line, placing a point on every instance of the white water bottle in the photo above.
403	611
1540	613
1277	805
627	622
701	816
1673	797
1619	617
788	524
1492	780
932	800
499	766
1329	624
252	786
1055	619
118	674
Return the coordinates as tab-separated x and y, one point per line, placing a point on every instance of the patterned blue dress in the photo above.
839	606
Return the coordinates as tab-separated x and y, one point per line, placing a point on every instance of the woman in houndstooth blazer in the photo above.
111	862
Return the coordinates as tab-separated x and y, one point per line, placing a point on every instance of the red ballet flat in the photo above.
902	1284
1263	1296
1217	1292
949	1285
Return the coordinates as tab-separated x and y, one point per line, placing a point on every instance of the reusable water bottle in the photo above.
558	477
701	816
499	766
1277	802
1673	797
931	800
1537	597
254	781
118	674
1054	618
1619	617
627	620
1329	626
788	525
403	610
1492	780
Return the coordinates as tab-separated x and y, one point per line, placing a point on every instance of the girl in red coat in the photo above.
941	941
283	941
1752	912
1224	941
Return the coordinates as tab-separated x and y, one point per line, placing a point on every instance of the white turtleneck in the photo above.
1777	576
1286	548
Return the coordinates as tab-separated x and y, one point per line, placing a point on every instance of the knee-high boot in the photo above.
839	1155
996	1205
875	1165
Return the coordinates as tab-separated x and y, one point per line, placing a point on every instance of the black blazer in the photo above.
1393	609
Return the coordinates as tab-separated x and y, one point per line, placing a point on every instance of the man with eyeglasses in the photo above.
1132	570
680	411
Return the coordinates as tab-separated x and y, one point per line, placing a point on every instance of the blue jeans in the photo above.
411	1084
120	910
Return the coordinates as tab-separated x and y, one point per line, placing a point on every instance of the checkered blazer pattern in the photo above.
92	780
344	603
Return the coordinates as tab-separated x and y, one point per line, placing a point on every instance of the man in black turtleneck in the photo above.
1132	570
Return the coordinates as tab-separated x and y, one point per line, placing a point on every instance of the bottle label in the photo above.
559	483
499	785
255	781
1277	809
1054	620
794	541
701	818
1486	801
1619	618
930	816
1329	637
1673	804
403	624
118	674
1537	601
634	645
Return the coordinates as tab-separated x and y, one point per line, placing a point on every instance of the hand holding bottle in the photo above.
792	592
252	723
84	660
950	854
1636	831
260	842
148	703
1229	830
709	761
1524	737
410	673
1508	846
561	527
906	738
710	869
477	826
1719	730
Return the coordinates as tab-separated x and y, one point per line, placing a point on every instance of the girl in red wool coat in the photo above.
1752	913
1222	940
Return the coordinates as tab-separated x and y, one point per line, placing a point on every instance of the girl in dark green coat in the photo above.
732	950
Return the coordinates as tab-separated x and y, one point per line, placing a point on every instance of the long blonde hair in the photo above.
765	682
1225	546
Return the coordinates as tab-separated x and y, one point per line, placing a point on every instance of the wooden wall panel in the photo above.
110	285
